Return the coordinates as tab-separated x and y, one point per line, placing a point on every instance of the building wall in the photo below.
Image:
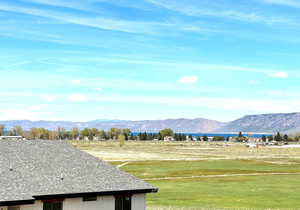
102	203
38	205
139	202
105	202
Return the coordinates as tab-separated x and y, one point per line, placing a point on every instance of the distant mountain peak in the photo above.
270	123
259	123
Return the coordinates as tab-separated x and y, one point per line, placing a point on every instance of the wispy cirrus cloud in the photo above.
99	22
217	9
247	105
73	4
192	66
289	3
89	5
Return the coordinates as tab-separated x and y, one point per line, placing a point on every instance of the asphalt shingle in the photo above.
31	168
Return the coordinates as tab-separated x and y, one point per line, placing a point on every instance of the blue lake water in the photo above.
255	135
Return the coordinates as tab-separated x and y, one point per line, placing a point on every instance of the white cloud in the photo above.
279	74
279	93
77	97
99	89
76	81
188	79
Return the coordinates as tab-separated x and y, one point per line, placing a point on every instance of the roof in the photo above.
38	168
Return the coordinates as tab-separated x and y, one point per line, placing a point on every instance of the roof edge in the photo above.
76	195
17	202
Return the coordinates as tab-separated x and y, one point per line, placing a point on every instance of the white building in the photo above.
169	138
11	137
53	175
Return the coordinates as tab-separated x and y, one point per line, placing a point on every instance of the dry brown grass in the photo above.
133	151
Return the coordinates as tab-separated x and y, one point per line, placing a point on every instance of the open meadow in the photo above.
207	175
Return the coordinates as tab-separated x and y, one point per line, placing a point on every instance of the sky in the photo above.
82	60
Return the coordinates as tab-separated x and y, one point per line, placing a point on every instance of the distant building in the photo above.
11	137
169	138
210	138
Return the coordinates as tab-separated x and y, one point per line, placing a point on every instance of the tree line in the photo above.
86	134
119	134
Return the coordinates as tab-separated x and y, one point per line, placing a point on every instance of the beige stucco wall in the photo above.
106	202
102	203
139	202
38	205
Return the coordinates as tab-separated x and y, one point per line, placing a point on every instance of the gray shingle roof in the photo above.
34	168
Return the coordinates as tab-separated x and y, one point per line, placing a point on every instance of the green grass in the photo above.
156	169
151	160
239	192
259	192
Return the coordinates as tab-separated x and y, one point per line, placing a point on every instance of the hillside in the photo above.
264	123
178	125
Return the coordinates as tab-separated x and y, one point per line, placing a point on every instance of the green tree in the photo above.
126	132
75	133
270	138
285	137
61	132
240	134
93	133
264	138
17	131
205	138
218	138
166	132
278	137
101	134
2	128
121	139
241	137
85	132
113	133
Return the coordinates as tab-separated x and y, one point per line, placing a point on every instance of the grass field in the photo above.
208	175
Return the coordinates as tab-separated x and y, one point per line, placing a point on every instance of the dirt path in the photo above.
123	164
209	158
217	176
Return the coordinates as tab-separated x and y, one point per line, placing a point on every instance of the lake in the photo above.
255	135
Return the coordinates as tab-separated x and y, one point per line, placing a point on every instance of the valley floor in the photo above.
208	175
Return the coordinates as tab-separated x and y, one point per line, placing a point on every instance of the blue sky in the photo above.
82	60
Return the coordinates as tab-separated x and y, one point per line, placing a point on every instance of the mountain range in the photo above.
263	123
